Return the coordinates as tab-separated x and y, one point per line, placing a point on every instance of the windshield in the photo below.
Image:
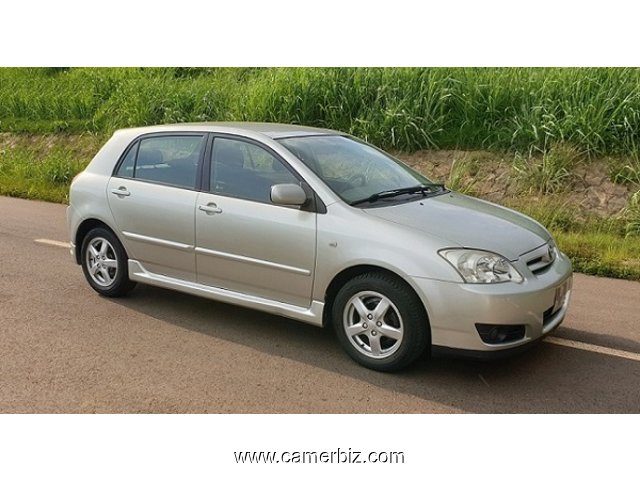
355	171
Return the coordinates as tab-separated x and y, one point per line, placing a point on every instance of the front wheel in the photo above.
104	263
380	322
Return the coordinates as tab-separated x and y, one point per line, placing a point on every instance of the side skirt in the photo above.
312	315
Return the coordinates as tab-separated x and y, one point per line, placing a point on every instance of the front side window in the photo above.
170	160
245	170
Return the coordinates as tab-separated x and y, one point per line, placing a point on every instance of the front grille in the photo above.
540	259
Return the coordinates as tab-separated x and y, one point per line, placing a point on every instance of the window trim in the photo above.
135	143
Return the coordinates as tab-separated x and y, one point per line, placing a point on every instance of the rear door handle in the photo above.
210	208
121	192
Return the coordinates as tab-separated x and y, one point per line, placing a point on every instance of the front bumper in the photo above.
454	309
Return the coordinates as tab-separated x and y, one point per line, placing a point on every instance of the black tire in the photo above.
111	278
405	315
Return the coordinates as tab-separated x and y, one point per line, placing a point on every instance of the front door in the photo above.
244	242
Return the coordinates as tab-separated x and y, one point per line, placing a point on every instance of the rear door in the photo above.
152	197
244	242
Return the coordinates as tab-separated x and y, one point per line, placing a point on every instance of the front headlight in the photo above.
478	266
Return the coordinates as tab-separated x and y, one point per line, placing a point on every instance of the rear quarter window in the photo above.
128	164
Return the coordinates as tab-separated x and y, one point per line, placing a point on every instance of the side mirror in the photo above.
288	194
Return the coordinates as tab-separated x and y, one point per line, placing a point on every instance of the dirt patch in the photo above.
595	192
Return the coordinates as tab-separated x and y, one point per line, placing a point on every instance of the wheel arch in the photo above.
85	227
347	274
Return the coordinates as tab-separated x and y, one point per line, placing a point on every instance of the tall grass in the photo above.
42	168
462	176
546	171
633	214
597	246
596	110
625	170
24	176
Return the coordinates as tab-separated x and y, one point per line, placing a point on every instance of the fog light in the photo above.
497	334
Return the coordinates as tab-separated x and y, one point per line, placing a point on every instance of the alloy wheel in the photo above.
102	262
373	324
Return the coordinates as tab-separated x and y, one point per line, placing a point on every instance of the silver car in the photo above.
321	227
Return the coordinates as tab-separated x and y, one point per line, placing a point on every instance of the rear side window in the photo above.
170	160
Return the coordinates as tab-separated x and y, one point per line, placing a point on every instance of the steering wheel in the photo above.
357	177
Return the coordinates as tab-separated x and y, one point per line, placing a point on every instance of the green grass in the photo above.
548	171
46	180
607	247
625	170
462	176
633	217
597	110
601	253
547	119
42	168
554	214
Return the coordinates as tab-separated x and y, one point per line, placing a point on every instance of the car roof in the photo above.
272	130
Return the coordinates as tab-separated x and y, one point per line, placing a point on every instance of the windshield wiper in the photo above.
424	189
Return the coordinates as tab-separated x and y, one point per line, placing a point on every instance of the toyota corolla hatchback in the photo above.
321	227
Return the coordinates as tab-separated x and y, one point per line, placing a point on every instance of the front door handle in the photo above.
210	208
121	192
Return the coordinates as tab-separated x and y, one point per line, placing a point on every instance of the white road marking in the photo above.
593	348
55	243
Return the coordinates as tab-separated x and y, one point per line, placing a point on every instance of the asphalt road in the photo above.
63	348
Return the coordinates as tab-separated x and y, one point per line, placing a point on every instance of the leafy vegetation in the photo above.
595	110
547	120
596	246
625	170
547	172
633	214
462	176
601	253
42	168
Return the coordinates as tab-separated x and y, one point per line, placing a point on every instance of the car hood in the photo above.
468	222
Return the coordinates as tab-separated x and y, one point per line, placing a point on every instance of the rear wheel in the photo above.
104	263
380	322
